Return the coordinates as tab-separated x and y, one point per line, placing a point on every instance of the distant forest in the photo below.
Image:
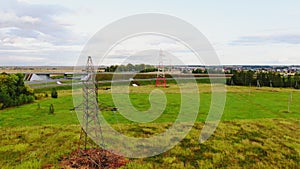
269	79
142	68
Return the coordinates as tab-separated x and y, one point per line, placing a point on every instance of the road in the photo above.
52	83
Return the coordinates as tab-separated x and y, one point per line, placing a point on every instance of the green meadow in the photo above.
256	130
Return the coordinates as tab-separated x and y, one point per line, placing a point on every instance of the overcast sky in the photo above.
41	32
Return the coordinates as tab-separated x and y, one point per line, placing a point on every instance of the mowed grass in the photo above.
256	130
240	104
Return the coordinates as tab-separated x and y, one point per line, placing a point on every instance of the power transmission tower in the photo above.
160	77
91	124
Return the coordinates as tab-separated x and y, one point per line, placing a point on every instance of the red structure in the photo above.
160	78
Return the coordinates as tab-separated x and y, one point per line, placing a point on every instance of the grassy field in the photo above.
256	130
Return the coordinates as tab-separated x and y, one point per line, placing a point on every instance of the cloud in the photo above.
30	18
145	49
10	18
269	54
27	30
31	34
268	39
24	43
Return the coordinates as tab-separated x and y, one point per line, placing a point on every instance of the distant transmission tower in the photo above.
160	77
91	124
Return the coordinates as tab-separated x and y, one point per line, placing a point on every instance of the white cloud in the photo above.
25	43
145	49
29	19
285	54
33	32
10	18
270	38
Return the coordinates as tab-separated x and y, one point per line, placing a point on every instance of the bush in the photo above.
54	93
13	91
38	96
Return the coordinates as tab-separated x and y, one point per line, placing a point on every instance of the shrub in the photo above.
54	93
51	109
38	106
38	96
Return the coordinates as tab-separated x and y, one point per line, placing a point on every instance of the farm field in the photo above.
256	130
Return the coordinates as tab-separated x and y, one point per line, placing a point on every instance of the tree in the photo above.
112	68
149	70
130	67
13	91
278	81
197	71
289	81
54	93
249	78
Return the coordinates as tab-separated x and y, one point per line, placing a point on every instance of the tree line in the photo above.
13	91
270	79
142	68
206	71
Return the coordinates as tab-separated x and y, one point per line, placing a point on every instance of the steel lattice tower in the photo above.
160	77
91	124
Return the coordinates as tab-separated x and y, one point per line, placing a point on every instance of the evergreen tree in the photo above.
54	93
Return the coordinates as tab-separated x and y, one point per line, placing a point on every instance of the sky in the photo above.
47	33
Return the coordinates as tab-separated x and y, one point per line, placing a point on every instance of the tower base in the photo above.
161	82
